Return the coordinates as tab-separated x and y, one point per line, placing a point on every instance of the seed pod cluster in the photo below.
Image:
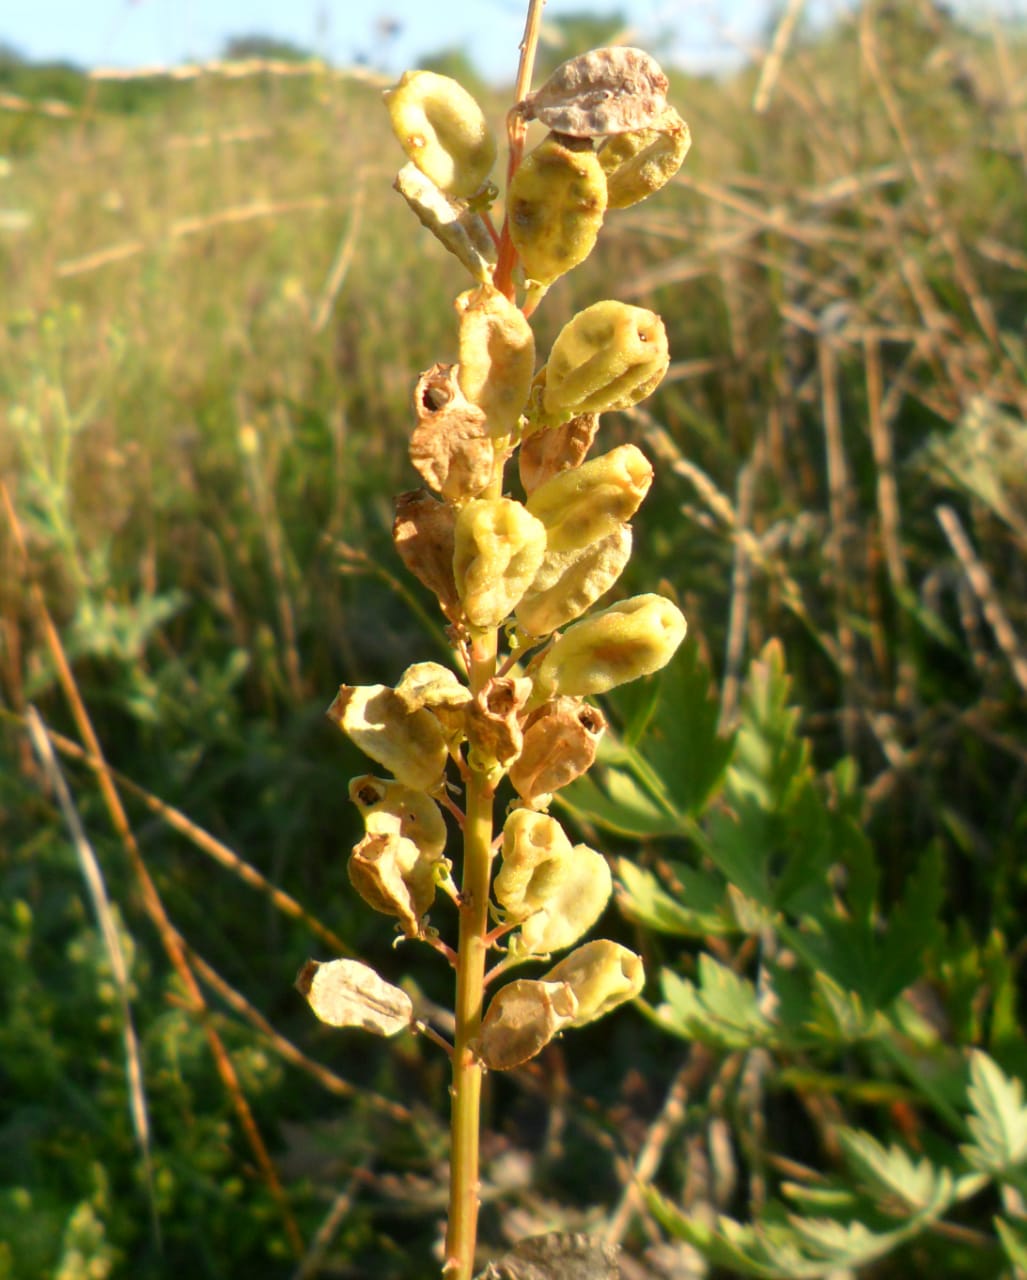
517	578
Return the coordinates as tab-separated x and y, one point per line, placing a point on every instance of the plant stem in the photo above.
472	950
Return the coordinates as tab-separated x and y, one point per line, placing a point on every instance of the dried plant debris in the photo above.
557	1256
615	90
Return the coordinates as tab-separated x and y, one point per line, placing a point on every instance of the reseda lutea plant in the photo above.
516	579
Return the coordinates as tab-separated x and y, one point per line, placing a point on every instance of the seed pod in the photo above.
633	638
431	685
410	744
610	356
639	163
583	505
442	130
395	877
557	892
546	453
602	975
463	232
560	742
493	722
497	357
521	1019
390	808
556	203
497	552
605	91
423	534
346	993
570	582
450	445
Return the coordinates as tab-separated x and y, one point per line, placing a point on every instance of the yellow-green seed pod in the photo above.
583	505
391	808
637	164
410	744
497	357
556	203
602	975
498	548
521	1019
560	742
431	685
442	130
570	582
633	638
556	891
610	356
395	877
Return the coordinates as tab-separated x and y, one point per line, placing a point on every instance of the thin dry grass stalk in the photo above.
152	903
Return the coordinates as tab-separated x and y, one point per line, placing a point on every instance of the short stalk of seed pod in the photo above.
631	639
609	356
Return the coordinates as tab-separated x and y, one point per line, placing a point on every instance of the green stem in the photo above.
472	951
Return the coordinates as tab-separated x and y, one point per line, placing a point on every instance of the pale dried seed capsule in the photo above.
560	742
610	90
450	445
630	639
463	232
442	130
431	685
498	548
570	582
588	503
410	744
602	975
521	1019
390	807
346	993
609	356
423	533
556	891
544	454
395	877
497	357
637	164
556	203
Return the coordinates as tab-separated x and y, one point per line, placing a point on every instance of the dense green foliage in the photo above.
212	307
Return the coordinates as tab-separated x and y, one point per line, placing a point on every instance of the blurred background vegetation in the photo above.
213	311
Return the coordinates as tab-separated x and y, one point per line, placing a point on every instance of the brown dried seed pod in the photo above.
493	724
544	454
521	1019
424	537
560	742
612	90
450	445
395	877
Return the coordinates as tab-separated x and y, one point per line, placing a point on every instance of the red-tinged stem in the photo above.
517	130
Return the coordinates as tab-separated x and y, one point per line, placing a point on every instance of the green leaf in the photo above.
1013	1234
895	1181
722	1009
998	1123
613	799
698	910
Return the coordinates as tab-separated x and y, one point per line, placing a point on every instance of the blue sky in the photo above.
132	33
142	32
